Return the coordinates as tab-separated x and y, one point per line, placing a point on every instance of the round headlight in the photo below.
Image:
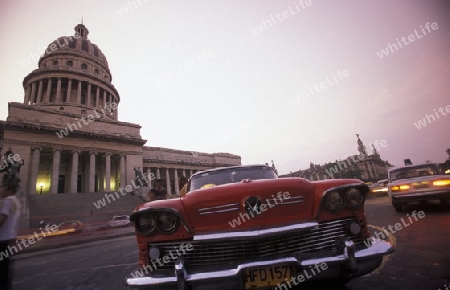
334	202
167	222
354	198
146	223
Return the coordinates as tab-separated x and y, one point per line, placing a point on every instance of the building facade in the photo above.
68	133
364	166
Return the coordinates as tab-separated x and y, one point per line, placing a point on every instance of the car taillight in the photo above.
400	187
443	182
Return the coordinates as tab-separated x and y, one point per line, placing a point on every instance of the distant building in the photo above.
367	167
67	131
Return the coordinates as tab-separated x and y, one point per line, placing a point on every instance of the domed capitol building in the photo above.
67	131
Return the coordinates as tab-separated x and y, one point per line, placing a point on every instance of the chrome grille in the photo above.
320	239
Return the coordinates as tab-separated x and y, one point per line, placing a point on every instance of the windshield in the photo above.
413	172
232	175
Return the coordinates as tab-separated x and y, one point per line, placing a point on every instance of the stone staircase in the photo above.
93	207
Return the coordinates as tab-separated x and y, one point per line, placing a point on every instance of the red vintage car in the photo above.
242	227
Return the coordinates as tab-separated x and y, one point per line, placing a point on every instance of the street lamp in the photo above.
42	185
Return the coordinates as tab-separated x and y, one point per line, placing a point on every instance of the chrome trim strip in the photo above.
256	233
293	200
219	206
377	249
219	211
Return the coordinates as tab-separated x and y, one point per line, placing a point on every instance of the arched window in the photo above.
96	71
83	66
55	62
70	63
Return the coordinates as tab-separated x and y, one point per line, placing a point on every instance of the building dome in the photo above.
72	76
77	45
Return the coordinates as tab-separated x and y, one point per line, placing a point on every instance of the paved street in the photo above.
422	259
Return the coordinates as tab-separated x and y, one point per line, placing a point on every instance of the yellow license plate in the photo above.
266	277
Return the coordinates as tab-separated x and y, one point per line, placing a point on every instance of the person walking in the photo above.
158	192
183	183
9	220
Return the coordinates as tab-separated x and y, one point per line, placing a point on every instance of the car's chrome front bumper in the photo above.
421	196
350	262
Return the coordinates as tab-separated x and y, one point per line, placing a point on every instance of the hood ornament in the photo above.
253	205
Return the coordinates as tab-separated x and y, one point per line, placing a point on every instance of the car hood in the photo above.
250	204
418	179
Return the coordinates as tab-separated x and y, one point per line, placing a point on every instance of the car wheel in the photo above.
397	206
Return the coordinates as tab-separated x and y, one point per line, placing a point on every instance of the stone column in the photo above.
88	95
123	179
74	172
104	99
35	156
49	90
55	171
177	186
79	93
108	171
149	177
158	173
190	173
69	90
27	95
39	95
91	187
113	100
33	93
58	90
97	97
184	174
168	187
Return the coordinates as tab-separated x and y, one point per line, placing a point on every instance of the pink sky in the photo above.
250	79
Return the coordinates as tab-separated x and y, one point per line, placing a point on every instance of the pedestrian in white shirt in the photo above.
9	220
